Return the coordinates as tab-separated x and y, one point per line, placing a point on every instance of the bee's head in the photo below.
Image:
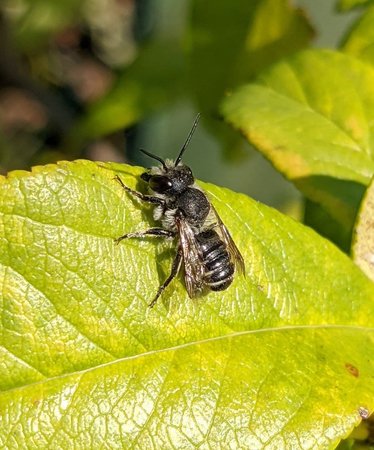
171	178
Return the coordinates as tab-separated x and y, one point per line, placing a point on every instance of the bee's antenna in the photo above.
157	158
177	161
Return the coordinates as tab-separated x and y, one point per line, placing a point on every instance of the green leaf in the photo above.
85	361
360	40
346	5
363	243
312	117
249	390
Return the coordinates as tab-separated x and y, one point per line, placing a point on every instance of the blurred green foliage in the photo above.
75	74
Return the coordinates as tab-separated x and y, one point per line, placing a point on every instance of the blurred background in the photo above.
99	79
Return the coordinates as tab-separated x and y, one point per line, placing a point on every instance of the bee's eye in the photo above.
145	176
160	183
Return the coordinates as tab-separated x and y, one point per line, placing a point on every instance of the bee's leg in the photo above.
158	232
174	272
144	197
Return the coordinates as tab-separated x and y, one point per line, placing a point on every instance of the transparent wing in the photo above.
193	264
233	249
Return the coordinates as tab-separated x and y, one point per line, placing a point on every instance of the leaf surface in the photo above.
249	390
84	361
312	116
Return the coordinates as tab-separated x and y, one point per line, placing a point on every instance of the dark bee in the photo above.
205	247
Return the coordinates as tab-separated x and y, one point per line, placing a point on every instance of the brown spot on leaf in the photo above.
352	369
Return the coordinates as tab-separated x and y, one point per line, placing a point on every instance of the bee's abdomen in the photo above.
219	270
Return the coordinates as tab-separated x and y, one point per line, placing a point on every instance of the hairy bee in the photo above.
205	248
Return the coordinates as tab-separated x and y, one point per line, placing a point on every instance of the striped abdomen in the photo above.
219	270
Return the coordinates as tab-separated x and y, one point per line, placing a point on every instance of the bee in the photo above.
204	246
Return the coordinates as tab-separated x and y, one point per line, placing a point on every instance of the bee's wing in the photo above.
193	263
232	248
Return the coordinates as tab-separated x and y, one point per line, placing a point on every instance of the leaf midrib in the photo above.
176	348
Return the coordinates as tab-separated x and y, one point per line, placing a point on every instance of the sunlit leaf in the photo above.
282	356
282	388
312	117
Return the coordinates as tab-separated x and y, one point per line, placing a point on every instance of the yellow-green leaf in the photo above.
300	388
284	356
312	116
